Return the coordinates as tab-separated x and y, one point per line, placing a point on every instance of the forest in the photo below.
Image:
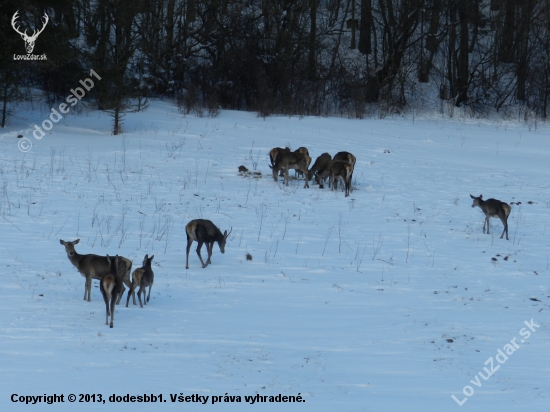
352	58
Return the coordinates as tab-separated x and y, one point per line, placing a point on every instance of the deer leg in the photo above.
187	252
209	248
199	253
504	221
286	177
88	288
487	219
119	296
132	292
139	297
128	297
129	284
149	295
305	174
113	302
106	299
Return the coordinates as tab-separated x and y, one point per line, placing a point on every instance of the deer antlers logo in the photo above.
29	40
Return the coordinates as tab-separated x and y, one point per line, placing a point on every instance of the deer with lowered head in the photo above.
321	169
204	231
346	157
303	150
142	277
273	153
291	160
319	165
110	286
493	208
341	171
95	267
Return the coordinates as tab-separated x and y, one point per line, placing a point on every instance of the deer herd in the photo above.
114	272
337	168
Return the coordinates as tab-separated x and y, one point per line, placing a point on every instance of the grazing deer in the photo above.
493	208
142	277
346	157
291	160
273	153
95	267
303	150
110	286
204	231
318	166
341	171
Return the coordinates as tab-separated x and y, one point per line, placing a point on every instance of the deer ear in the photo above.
76	241
146	256
108	259
472	197
481	196
62	242
151	258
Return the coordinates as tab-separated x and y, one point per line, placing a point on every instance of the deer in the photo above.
204	231
142	277
493	208
346	157
95	267
110	286
29	40
318	166
291	160
273	153
303	150
341	171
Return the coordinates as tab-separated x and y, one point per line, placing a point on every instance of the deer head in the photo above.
29	40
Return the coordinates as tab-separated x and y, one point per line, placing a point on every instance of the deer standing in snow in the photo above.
110	286
346	157
142	277
95	267
320	169
341	171
204	231
291	160
493	208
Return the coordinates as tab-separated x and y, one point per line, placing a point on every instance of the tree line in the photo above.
304	57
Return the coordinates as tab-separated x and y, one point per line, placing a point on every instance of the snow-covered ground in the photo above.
390	299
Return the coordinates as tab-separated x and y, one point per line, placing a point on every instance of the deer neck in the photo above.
75	259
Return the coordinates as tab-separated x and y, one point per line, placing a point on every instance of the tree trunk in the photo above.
365	27
5	98
463	55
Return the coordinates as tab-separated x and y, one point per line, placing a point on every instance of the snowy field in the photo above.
389	300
